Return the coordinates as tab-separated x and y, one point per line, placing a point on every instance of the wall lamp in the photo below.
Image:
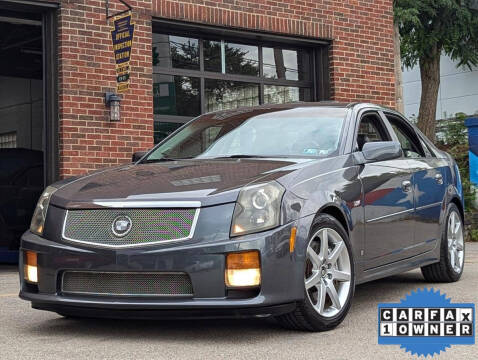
113	101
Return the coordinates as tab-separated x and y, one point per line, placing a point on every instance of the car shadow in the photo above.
211	330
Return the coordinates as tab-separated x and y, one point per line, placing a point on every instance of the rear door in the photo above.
429	182
387	198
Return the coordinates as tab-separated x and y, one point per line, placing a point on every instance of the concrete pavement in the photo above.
31	334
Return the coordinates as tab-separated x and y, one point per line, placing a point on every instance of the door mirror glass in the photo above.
138	155
381	151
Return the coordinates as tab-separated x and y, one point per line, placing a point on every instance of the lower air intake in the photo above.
126	283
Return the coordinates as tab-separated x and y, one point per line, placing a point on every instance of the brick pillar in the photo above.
87	140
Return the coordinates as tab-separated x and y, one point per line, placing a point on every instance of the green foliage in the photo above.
431	27
456	143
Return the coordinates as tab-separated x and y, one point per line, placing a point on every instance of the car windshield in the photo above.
298	132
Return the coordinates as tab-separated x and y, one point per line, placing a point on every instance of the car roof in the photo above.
299	104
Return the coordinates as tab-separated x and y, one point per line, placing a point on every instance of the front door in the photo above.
387	199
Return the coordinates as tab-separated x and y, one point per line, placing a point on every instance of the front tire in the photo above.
452	250
328	279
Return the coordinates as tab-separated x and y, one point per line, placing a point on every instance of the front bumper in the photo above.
203	260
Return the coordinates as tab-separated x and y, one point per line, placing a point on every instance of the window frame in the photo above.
409	130
318	83
366	112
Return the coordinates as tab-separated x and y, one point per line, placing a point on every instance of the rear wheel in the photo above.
328	279
452	251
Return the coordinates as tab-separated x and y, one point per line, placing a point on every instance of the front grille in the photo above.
148	226
126	283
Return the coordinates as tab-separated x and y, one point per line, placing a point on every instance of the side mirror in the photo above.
138	155
379	151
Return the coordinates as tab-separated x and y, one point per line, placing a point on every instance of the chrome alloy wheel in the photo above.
455	241
327	272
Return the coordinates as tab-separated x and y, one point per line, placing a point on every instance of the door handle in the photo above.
406	186
439	179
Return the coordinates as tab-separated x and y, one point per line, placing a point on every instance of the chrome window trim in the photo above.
190	236
124	272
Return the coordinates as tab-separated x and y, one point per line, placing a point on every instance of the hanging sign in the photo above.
122	36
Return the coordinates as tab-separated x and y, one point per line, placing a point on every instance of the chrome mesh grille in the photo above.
126	284
148	226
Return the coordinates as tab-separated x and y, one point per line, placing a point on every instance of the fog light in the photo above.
243	269
30	267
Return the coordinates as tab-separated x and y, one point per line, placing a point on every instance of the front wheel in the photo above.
452	250
328	279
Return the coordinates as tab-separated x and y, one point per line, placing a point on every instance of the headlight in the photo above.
39	216
257	208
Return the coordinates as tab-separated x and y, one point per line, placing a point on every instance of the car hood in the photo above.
209	182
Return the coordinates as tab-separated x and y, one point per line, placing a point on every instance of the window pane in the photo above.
242	59
223	94
175	52
274	94
163	129
212	56
176	95
285	64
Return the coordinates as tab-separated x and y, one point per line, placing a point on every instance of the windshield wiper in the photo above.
149	161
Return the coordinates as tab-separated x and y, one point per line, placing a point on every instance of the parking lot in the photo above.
31	334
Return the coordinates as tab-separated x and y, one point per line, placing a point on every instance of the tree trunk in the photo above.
430	75
398	70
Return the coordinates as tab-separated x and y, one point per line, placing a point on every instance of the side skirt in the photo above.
398	267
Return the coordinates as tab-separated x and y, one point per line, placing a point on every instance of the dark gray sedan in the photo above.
266	211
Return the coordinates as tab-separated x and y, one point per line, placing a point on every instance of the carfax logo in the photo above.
426	323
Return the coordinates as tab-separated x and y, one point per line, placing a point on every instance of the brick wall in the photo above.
361	63
86	71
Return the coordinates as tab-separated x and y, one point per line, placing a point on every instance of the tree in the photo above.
428	29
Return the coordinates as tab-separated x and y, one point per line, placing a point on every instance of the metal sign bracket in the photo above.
107	9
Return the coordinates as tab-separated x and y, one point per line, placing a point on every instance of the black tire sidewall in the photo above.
444	246
314	318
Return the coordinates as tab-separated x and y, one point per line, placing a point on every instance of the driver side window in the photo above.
371	129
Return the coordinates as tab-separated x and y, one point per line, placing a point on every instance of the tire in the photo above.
307	315
444	270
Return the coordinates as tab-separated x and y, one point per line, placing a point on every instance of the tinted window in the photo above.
371	129
242	59
175	52
408	139
176	95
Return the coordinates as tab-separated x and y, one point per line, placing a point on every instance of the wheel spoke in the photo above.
452	258
314	258
324	245
457	227
452	222
340	275
313	279
459	246
321	297
334	255
334	297
457	261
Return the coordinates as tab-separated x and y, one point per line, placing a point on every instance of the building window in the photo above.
8	140
198	74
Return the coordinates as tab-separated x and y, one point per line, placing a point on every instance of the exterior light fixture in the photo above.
113	101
